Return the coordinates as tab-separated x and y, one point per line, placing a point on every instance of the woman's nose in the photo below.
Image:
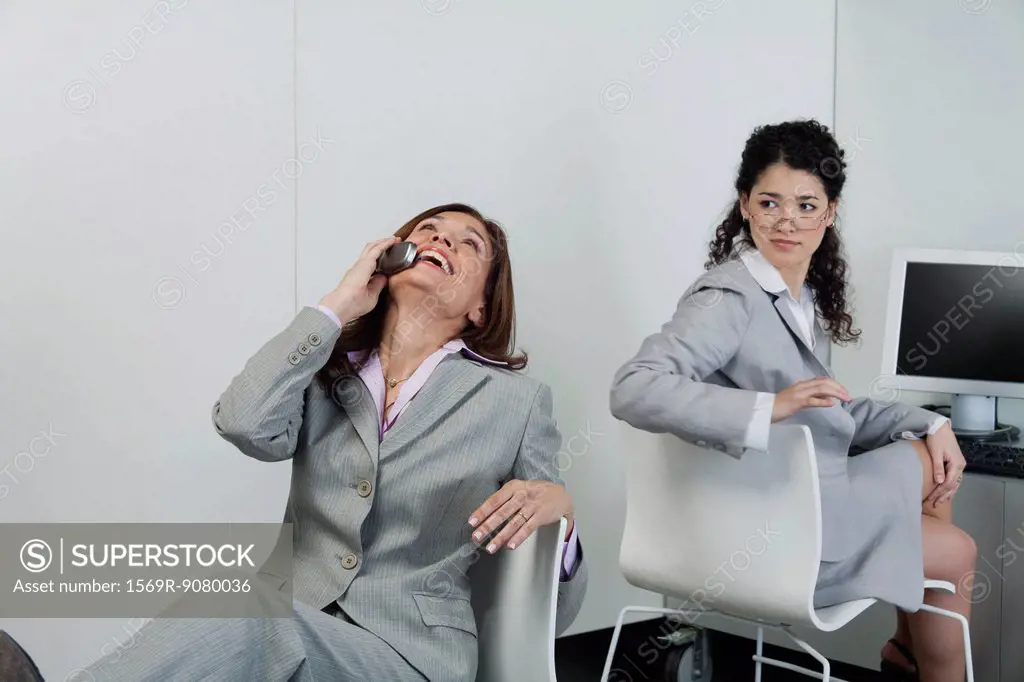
443	238
785	223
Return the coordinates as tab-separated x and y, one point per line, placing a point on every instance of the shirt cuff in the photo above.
760	424
329	313
570	554
939	422
936	424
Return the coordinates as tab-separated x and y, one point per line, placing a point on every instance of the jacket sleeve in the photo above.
261	410
536	461
662	390
880	423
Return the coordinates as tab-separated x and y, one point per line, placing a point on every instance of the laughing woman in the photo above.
411	436
747	348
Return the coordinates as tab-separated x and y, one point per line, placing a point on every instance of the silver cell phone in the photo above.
396	258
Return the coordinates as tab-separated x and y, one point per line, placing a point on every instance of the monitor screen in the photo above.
962	322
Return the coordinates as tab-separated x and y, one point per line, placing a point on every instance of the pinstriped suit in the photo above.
380	526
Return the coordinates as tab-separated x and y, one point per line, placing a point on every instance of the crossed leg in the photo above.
949	554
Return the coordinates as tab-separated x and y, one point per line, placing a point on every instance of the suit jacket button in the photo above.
364	488
349	561
702	443
304	348
314	339
295	358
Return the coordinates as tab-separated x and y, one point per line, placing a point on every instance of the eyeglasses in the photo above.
772	218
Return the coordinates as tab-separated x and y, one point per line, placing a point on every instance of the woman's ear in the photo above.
476	316
830	214
744	209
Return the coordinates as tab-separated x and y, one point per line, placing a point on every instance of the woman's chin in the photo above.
410	278
414	287
785	259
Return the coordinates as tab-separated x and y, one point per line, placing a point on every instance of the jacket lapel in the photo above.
822	346
783	309
449	384
353	396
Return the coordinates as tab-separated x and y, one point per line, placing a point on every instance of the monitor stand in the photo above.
973	417
973	413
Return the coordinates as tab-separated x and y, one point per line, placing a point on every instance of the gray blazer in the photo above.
381	527
729	339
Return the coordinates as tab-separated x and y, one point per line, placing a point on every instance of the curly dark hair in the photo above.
808	146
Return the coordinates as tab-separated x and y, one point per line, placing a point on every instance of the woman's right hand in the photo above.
817	392
359	289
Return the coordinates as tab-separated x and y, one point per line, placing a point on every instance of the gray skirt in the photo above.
885	500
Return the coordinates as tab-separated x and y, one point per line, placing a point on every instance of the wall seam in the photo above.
295	152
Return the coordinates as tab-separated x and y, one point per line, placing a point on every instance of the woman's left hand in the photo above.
526	505
948	464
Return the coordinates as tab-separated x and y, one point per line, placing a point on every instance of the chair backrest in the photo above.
515	594
738	535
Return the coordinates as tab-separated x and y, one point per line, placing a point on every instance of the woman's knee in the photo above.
967	548
950	552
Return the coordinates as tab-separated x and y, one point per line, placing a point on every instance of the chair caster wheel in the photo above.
689	662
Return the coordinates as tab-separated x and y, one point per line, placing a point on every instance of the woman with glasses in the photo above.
748	347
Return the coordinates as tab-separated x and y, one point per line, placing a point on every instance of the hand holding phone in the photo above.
396	258
360	288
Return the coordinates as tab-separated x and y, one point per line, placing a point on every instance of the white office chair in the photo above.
515	595
692	512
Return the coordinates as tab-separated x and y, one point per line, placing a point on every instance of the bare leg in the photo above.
890	652
949	554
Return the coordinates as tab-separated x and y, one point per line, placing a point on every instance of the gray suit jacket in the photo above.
381	527
729	339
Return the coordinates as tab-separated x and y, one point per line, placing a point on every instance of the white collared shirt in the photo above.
769	279
765	274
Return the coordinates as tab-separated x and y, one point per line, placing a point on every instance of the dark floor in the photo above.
640	657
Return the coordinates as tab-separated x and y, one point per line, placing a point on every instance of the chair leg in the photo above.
618	630
965	626
760	654
826	668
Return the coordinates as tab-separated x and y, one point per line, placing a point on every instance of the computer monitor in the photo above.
955	325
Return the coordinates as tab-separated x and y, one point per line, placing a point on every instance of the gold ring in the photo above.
520	513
